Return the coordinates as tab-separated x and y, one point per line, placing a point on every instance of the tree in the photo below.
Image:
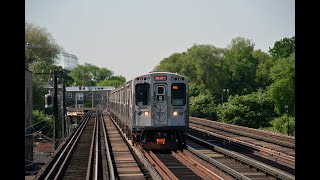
240	66
282	90
40	60
281	124
43	123
115	81
87	70
204	66
203	106
263	78
252	110
170	64
96	76
283	48
46	54
44	77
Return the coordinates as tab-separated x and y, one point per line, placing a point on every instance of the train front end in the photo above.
161	110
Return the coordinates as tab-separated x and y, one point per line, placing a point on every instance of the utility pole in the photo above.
92	99
222	97
286	107
63	108
55	109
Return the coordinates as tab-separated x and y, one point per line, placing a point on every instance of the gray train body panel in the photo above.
154	102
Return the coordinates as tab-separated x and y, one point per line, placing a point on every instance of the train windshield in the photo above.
178	94
142	94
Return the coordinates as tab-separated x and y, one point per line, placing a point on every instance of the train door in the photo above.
160	105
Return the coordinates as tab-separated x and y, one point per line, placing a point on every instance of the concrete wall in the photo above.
28	118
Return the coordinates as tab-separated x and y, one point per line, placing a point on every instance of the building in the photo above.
88	96
83	96
68	61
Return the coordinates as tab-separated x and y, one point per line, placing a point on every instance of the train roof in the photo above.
160	72
150	73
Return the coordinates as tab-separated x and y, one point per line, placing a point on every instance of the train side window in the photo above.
142	94
178	94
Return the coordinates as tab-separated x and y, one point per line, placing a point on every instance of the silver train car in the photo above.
153	110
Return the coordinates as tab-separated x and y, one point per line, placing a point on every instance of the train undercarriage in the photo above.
155	138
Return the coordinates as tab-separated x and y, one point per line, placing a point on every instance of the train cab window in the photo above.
178	94
142	94
160	90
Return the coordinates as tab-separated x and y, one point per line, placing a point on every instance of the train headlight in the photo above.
146	113
175	113
139	113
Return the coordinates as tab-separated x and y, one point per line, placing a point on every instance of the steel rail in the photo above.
224	127
279	157
163	167
96	154
51	167
263	167
110	166
154	174
90	161
194	166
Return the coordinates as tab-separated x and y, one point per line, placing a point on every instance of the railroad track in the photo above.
275	160
233	162
276	142
174	165
266	150
84	155
98	149
126	165
84	159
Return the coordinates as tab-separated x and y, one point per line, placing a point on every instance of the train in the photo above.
153	110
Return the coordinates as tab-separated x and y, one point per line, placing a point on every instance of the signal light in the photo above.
48	101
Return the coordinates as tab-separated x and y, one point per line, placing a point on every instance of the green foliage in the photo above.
282	90
48	52
283	48
81	71
96	76
203	106
240	67
202	64
205	64
281	125
196	89
38	93
263	78
170	64
43	123
115	81
246	72
252	110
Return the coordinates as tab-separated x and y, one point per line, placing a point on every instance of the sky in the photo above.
131	37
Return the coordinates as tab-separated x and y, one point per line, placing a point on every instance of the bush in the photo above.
281	125
202	106
43	123
253	110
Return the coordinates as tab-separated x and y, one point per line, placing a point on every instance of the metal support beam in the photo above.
55	109
63	109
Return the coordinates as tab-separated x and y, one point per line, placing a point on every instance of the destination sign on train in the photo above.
160	78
